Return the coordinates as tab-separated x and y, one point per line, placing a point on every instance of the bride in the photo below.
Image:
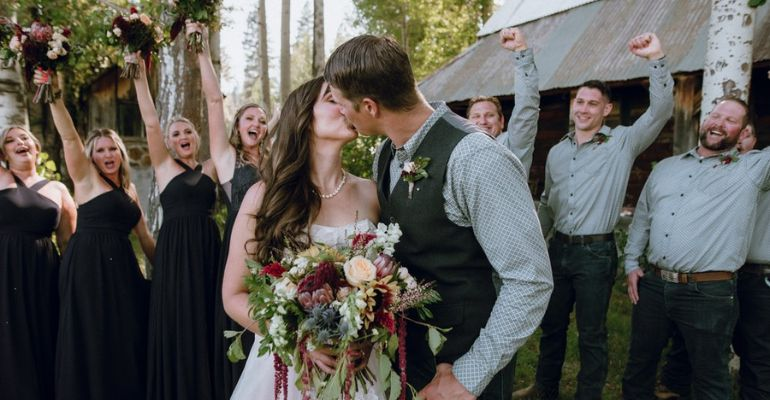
305	196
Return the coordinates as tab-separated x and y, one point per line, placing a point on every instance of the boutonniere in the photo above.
727	159
600	138
414	171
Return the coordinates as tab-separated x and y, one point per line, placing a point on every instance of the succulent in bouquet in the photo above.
201	11
136	33
41	47
351	301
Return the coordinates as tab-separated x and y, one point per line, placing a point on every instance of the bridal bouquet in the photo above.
136	33
202	11
44	47
343	299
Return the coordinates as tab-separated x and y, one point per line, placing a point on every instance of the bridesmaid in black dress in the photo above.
236	157
31	208
182	300
101	347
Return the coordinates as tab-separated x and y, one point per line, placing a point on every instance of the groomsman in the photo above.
487	113
586	178
695	215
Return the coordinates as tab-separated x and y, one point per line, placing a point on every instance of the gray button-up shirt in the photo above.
696	213
485	189
519	138
759	251
585	185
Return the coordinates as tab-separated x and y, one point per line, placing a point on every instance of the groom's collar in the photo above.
406	152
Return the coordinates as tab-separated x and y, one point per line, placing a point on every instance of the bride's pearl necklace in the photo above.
337	190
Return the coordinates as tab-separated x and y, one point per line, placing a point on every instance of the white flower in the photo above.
15	44
286	289
411	283
109	33
403	274
133	17
117	31
61	51
52	55
281	310
58	37
410	167
145	19
359	270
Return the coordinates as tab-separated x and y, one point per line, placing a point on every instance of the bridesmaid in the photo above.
31	208
101	347
236	157
183	291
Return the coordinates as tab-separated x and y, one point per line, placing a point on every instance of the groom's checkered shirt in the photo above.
486	189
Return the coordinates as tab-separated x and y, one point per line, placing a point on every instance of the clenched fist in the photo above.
646	46
512	39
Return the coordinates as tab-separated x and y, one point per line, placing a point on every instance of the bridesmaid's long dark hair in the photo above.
290	202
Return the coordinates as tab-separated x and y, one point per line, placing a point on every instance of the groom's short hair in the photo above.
374	67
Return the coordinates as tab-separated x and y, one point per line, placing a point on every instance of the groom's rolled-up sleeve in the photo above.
486	189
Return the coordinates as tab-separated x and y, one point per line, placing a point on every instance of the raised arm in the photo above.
235	296
79	166
159	155
647	128
522	127
222	152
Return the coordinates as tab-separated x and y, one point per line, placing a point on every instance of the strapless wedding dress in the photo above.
257	381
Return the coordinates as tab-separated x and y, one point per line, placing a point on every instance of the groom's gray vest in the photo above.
434	248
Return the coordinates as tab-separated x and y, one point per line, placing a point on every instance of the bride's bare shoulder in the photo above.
366	193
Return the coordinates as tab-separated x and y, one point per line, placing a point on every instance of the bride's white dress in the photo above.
257	381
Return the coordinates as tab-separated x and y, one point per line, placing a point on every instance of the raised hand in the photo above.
191	27
513	39
646	46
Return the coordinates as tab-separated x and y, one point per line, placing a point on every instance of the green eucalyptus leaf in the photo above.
395	387
232	334
385	368
435	340
392	346
235	351
756	3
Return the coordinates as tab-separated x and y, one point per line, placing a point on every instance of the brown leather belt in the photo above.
757	269
681	277
583	239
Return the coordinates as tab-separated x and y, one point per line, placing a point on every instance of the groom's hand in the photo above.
445	386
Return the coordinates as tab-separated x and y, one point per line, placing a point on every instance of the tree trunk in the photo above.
285	49
13	104
318	38
728	54
264	57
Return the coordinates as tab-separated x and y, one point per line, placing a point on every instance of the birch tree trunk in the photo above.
13	103
285	49
264	57
728	53
318	38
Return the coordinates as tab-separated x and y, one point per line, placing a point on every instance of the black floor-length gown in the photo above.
227	373
182	300
29	297
102	343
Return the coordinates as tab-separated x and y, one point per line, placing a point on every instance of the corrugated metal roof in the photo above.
589	42
517	12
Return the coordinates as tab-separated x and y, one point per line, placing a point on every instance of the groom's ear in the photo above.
370	107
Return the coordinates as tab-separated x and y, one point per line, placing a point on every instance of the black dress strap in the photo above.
187	167
19	182
36	187
109	181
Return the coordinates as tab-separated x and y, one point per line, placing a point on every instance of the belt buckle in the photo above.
669	276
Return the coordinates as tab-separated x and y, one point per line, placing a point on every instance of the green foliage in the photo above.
432	31
357	155
756	3
46	167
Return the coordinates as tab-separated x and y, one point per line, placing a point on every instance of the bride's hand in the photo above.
323	358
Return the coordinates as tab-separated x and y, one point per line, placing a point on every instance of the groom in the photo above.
466	213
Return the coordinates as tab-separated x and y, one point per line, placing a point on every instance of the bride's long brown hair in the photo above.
290	202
